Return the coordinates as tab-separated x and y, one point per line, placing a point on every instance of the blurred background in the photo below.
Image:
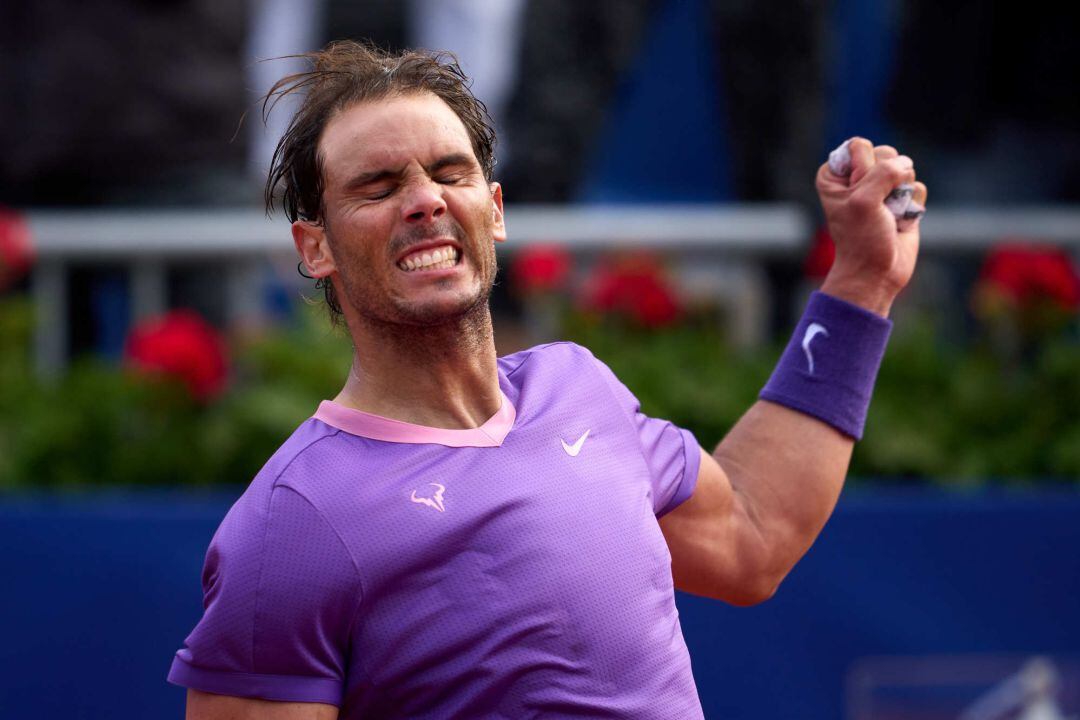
657	159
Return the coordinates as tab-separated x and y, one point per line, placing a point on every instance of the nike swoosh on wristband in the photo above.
573	450
811	332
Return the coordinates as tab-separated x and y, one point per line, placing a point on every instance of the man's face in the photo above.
410	219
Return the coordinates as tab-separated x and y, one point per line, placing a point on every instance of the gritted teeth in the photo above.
438	258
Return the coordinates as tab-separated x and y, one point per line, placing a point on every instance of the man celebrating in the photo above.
458	535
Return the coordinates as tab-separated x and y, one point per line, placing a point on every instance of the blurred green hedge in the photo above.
100	425
942	414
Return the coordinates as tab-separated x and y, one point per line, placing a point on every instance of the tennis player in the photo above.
459	535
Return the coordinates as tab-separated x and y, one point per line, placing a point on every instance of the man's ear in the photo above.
497	212
313	248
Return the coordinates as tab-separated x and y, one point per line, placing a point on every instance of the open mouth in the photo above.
443	257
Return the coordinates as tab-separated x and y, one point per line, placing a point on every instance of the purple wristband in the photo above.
829	367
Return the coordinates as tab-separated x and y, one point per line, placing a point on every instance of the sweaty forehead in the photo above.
390	133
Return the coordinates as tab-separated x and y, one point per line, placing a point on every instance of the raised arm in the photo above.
768	488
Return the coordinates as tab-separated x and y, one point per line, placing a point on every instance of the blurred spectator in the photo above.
278	29
771	69
127	101
139	101
986	98
485	35
573	55
386	22
765	72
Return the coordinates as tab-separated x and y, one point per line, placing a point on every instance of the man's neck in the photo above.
441	376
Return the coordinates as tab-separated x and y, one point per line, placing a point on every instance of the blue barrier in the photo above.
102	589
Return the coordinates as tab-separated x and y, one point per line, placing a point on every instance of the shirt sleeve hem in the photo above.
284	688
691	466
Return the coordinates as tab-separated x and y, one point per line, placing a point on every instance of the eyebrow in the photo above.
374	176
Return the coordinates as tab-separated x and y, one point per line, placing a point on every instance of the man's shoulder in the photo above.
547	357
284	480
289	461
288	467
562	365
276	543
570	369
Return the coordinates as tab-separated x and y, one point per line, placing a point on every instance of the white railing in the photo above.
728	240
85	234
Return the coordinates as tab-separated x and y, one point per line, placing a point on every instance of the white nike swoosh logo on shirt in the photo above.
811	332
573	450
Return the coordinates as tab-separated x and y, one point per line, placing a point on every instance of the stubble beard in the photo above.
419	327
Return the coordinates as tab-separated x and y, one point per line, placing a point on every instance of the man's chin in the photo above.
443	311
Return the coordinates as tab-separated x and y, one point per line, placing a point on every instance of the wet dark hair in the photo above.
343	74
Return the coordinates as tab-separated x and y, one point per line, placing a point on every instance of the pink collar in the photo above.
376	427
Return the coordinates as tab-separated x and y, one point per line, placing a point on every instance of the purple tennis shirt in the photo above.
514	570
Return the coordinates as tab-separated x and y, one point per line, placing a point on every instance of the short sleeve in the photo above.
279	596
671	453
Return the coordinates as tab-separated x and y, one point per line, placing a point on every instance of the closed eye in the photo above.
379	194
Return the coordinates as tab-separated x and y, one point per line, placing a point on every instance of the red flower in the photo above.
16	248
182	345
540	268
1028	274
636	287
821	256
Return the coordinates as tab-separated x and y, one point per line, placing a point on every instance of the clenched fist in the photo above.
875	248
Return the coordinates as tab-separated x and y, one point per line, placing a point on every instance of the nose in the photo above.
423	202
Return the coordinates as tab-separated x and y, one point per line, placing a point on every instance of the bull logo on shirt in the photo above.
436	501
